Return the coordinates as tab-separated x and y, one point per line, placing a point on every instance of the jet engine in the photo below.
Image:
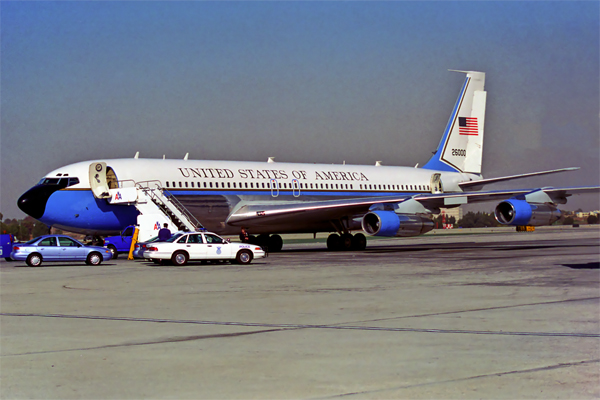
388	223
520	212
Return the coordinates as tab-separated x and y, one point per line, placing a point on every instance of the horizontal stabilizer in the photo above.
477	185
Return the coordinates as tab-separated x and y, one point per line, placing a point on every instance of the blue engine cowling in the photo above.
388	223
520	212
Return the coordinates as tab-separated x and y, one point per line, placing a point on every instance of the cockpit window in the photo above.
60	182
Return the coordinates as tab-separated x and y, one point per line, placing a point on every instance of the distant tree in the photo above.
477	220
592	219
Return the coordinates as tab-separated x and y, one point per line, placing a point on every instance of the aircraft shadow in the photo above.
590	265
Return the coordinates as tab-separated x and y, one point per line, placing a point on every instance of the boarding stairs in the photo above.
156	206
156	195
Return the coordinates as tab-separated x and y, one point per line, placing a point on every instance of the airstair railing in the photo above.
155	191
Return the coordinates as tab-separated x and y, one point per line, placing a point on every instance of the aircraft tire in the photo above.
333	242
346	241
359	242
275	243
34	260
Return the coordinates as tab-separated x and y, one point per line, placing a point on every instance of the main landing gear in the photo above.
346	241
271	243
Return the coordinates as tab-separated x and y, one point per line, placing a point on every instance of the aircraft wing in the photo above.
256	213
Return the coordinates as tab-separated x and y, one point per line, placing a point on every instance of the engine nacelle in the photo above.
388	223
520	212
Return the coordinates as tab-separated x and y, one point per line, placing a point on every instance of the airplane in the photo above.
101	197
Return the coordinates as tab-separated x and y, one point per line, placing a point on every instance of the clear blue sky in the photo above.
301	81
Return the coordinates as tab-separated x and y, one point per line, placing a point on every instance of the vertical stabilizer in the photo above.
461	147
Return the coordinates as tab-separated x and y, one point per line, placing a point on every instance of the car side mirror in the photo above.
227	240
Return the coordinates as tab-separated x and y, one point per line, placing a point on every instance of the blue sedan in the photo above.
58	248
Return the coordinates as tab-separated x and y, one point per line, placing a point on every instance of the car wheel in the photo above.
114	252
243	257
34	260
94	259
179	258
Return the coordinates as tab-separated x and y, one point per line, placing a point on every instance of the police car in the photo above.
201	246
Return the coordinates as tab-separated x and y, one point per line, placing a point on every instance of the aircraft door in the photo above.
98	180
274	188
436	183
295	188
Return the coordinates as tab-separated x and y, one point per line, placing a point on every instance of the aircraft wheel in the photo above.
113	250
346	241
243	257
94	259
359	242
333	242
262	240
34	260
275	243
179	258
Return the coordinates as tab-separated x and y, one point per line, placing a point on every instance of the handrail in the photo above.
171	198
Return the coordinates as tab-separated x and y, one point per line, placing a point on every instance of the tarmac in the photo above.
469	314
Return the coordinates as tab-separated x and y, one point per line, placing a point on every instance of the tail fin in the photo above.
461	147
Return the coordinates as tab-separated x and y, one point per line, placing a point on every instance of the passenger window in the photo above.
234	185
49	241
66	242
182	239
167	183
213	239
186	184
195	238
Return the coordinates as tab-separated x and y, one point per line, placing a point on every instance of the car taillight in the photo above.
257	248
16	248
152	249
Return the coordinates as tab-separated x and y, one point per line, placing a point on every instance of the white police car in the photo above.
201	246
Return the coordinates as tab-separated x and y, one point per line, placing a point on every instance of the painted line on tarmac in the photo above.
307	326
521	371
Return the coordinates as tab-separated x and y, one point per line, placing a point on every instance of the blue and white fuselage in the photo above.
103	196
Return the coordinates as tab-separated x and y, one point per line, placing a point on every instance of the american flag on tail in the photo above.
468	126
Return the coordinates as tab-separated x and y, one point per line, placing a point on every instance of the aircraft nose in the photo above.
33	202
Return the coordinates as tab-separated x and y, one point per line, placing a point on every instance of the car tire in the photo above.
34	260
94	258
179	258
244	257
113	250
